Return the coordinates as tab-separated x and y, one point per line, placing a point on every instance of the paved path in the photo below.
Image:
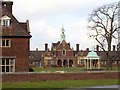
112	87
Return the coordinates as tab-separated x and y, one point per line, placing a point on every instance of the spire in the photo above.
62	36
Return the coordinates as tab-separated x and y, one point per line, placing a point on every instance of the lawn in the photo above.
70	69
60	84
53	69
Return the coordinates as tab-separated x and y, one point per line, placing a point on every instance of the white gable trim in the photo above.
5	18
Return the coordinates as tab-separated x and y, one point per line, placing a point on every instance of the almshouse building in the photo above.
62	55
14	41
15	54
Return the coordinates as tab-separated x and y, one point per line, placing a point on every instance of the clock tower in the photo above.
62	36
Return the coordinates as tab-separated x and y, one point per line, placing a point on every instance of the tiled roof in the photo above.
48	53
101	54
55	45
36	55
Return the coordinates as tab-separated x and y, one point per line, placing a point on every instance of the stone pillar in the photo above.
62	63
68	63
99	64
56	62
90	63
87	63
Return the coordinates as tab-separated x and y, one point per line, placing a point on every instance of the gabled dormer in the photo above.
64	45
5	21
48	53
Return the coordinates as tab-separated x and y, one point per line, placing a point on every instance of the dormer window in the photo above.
5	21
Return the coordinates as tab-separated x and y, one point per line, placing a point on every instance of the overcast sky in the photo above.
46	18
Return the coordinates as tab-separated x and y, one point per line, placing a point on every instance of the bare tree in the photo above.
103	23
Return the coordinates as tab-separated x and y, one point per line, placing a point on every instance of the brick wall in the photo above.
19	77
20	49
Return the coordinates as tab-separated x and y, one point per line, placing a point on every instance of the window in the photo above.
5	21
7	65
48	62
63	52
81	62
5	42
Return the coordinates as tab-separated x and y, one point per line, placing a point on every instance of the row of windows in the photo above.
7	65
7	68
5	43
81	62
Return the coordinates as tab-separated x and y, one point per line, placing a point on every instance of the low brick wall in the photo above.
21	77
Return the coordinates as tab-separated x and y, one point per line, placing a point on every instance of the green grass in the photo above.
113	68
53	69
60	84
70	69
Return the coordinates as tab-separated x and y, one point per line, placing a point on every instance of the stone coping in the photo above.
62	72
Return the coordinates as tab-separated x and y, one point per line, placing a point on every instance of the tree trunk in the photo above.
109	61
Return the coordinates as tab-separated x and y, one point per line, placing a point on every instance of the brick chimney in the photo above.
87	49
69	44
46	46
113	47
36	49
77	47
97	47
7	5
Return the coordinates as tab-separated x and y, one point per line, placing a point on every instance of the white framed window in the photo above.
5	21
5	42
81	62
7	65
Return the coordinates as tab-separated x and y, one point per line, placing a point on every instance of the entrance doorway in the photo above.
59	63
70	63
65	63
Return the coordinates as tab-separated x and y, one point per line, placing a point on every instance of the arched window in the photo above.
63	52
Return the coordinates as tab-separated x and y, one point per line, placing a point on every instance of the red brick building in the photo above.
62	55
14	41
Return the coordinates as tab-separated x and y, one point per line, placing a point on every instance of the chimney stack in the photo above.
87	49
36	49
113	47
7	5
97	47
46	46
77	47
69	44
